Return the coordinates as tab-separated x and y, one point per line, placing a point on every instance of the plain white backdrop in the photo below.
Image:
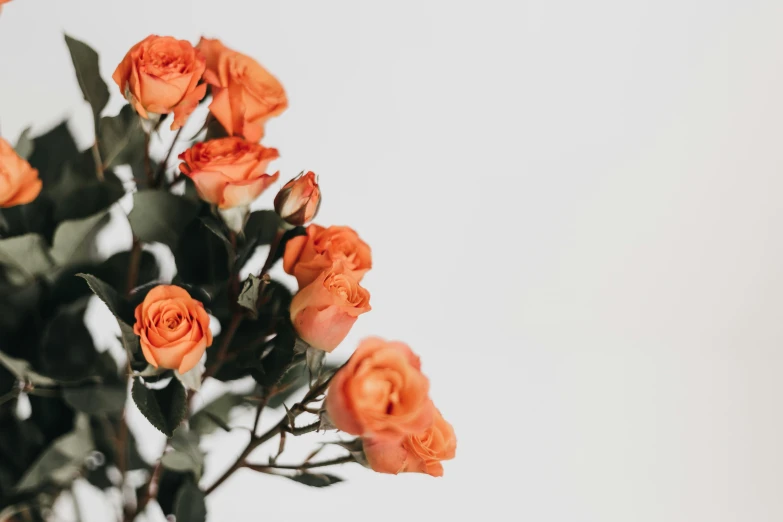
575	215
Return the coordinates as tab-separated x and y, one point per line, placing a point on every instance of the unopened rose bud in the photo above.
298	201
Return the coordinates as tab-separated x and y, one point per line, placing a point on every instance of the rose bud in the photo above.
324	311
380	393
420	453
19	182
305	257
173	327
228	172
298	201
244	94
160	75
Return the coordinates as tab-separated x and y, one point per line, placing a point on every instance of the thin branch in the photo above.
272	252
255	442
261	405
11	395
133	266
305	465
163	165
96	156
151	492
293	430
223	349
148	162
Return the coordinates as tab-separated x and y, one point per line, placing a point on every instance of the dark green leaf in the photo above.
22	371
198	242
51	151
275	362
121	138
96	399
67	352
74	239
216	228
118	307
215	414
315	361
356	447
214	129
27	254
165	408
24	145
190	505
78	196
261	229
61	463
160	216
185	455
251	289
316	480
85	62
262	226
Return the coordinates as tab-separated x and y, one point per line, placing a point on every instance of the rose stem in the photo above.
96	156
133	266
255	442
147	162
306	465
162	166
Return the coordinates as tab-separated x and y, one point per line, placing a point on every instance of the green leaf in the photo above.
261	229
74	239
121	138
67	352
51	151
186	455
61	462
315	361
356	447
85	62
22	371
24	145
77	196
190	505
165	408
117	307
198	242
160	217
108	395
251	289
96	400
28	254
215	414
275	362
216	228
316	480
262	226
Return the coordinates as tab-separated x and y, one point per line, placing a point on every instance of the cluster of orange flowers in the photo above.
380	395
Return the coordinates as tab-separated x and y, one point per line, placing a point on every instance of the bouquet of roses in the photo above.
63	402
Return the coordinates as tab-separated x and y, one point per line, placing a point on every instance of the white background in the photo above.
575	214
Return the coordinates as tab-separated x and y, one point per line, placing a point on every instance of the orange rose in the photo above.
228	172
19	183
298	201
244	94
307	256
160	75
380	393
324	311
420	453
174	328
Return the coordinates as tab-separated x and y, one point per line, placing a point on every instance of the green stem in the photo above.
306	465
